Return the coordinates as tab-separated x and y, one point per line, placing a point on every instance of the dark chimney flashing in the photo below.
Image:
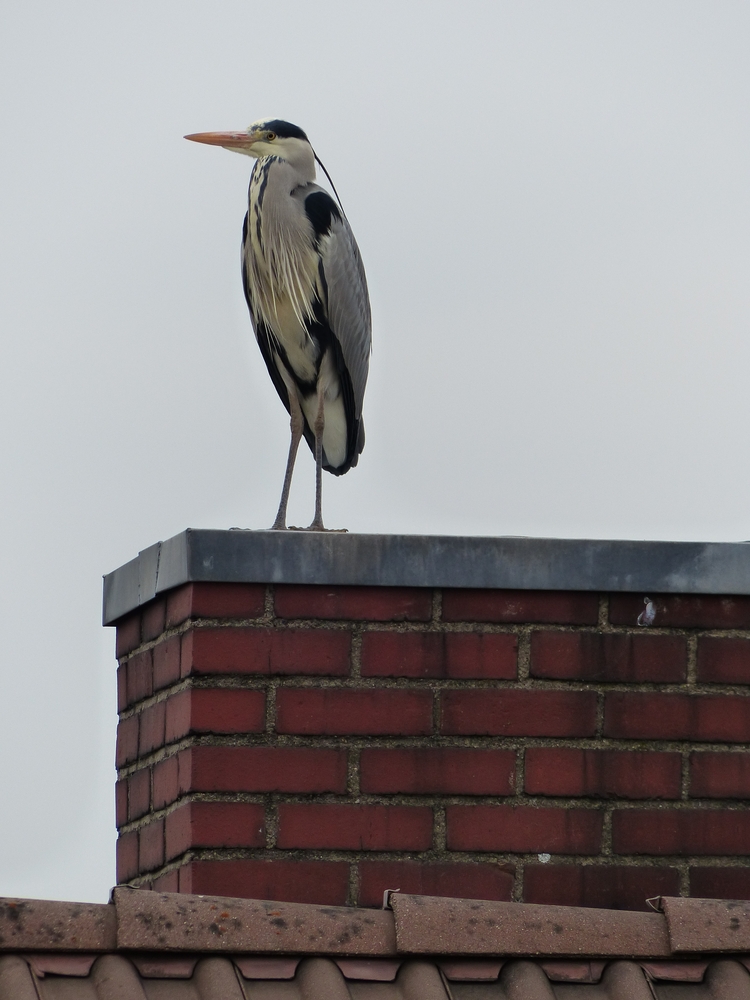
514	563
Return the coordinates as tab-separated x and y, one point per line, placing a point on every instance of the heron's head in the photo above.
267	137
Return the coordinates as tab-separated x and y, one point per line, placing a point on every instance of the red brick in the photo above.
139	793
592	656
548	606
608	887
683	610
127	741
168	882
720	883
523	829
462	881
215	710
122	688
262	769
140	676
341	712
178	721
151	846
214	824
166	782
153	618
439	654
716	718
720	775
128	634
355	828
627	774
167	662
323	882
215	600
375	604
519	713
723	661
121	802
179	605
266	651
152	728
438	770
680	831
127	856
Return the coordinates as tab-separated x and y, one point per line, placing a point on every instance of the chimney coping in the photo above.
509	563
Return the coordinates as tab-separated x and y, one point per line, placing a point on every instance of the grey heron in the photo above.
307	294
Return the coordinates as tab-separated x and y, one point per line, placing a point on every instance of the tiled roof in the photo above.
151	946
115	977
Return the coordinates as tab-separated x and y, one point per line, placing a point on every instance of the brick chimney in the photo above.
318	718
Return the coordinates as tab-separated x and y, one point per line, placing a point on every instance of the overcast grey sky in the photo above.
552	199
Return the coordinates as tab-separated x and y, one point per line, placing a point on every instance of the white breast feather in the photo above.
282	266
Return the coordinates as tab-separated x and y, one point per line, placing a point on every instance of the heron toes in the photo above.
318	527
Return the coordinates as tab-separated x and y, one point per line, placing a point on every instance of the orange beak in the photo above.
231	140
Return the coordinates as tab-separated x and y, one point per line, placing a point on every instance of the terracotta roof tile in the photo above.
432	926
61	964
46	925
219	978
267	968
181	947
382	970
697	925
471	970
173	921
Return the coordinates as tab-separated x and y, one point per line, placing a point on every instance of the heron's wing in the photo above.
347	302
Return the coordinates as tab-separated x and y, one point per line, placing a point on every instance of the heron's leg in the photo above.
320	422
297	422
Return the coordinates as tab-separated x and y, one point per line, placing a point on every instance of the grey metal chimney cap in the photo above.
426	561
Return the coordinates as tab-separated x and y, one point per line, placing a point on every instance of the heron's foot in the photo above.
278	526
320	527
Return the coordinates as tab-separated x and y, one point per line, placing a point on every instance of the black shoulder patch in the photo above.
285	130
321	209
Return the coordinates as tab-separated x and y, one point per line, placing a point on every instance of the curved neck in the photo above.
297	164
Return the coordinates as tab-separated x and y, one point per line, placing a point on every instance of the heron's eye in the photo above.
271	136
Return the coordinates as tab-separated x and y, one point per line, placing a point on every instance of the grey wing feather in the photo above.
348	303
